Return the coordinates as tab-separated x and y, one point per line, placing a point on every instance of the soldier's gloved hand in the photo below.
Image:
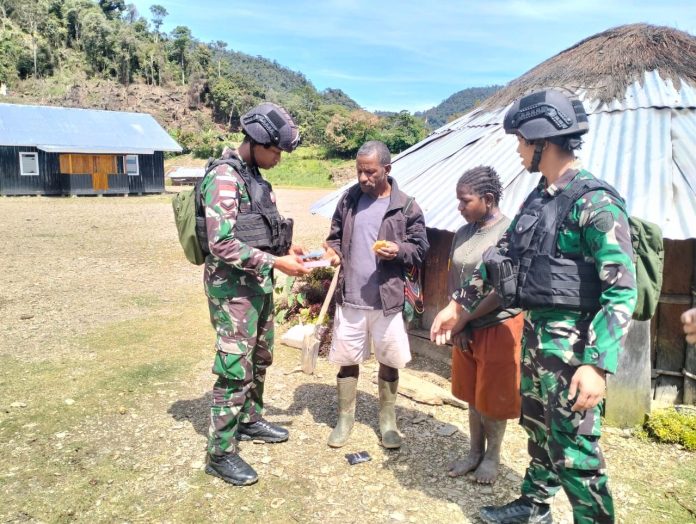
291	265
688	318
589	383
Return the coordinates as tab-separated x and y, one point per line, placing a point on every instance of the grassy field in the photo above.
306	167
105	355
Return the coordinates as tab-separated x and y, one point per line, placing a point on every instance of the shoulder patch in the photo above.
603	221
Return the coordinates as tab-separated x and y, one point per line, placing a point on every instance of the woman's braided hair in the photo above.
481	180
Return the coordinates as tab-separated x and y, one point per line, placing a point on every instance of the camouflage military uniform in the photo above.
238	282
564	445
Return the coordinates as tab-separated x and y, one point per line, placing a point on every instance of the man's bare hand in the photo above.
688	318
297	250
388	251
291	265
331	256
589	383
446	321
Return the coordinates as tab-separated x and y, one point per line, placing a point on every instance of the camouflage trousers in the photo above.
563	444
244	344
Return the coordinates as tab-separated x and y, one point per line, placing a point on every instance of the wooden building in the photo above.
65	151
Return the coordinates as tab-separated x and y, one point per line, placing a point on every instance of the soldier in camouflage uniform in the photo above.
238	282
567	351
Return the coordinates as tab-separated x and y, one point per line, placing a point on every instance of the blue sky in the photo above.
394	55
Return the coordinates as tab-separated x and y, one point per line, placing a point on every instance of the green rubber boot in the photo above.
347	390
387	416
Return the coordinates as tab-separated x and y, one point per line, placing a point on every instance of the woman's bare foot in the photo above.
464	466
487	471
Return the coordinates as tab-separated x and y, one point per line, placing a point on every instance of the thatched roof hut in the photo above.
638	84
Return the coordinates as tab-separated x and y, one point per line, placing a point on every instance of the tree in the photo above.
345	134
218	48
181	41
112	8
159	13
402	130
96	40
230	97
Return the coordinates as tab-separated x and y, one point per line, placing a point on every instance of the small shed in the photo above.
48	150
638	84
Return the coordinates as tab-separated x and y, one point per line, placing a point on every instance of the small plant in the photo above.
675	426
300	299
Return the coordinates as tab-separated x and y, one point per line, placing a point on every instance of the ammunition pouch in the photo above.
502	274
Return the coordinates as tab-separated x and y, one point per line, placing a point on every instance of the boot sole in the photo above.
267	440
212	472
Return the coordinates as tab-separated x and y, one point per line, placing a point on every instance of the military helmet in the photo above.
546	114
270	125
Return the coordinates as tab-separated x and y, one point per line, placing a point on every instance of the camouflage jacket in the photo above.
597	229
233	268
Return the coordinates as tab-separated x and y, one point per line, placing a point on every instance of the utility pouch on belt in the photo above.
284	236
502	274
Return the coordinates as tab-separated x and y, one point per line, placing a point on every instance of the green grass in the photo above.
305	167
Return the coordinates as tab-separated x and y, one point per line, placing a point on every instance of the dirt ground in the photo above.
105	354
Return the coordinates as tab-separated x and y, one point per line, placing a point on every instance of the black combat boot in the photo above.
231	468
521	510
261	430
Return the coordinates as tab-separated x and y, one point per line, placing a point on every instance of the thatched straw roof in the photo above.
605	64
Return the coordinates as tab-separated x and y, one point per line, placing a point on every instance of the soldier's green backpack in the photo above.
649	254
187	214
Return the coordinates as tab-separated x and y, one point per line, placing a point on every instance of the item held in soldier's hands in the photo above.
322	262
315	253
357	458
313	259
380	244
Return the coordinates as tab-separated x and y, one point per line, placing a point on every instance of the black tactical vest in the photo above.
547	278
259	224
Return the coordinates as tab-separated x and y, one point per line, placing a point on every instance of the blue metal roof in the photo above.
70	130
643	144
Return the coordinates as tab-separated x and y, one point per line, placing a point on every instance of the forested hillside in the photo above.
456	105
105	54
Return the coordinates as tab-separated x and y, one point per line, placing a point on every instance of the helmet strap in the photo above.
536	159
252	143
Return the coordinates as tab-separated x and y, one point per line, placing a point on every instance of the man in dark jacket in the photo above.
376	236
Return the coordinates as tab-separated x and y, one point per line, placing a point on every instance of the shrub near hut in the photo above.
673	426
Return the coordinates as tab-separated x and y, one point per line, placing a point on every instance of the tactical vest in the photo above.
259	224
547	278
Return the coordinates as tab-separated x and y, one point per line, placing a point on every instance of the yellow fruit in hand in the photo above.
379	245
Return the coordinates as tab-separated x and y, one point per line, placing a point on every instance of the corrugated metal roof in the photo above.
62	129
644	145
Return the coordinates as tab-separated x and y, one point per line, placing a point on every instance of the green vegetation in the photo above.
456	105
305	167
672	426
83	42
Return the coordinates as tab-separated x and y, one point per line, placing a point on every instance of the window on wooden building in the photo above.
29	164
132	165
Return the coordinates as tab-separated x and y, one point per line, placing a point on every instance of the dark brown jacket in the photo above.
406	231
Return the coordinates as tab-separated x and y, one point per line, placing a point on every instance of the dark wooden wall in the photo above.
13	183
669	351
53	180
